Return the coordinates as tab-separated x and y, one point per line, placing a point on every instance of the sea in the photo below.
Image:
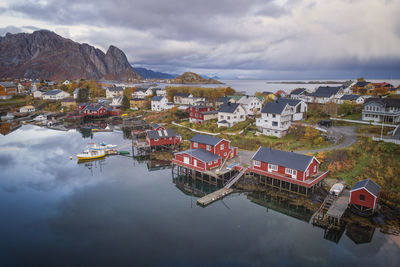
126	211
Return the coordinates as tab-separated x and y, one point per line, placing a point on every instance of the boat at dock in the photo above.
91	154
7	117
102	146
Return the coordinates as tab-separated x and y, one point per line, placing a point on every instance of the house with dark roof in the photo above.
355	99
55	94
364	195
386	110
200	114
230	114
276	118
94	110
114	91
205	153
7	90
286	167
325	94
182	98
251	104
157	127
162	137
160	103
221	100
143	92
298	93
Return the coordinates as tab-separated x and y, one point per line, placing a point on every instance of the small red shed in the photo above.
364	195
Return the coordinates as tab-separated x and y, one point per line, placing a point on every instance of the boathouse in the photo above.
157	127
163	138
286	170
198	159
215	145
364	196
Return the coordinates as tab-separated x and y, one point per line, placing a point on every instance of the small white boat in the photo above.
7	117
91	154
336	189
102	146
40	118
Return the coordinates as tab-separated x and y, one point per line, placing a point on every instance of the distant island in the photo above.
193	78
309	82
150	74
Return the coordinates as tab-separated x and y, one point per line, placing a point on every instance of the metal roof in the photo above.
223	99
350	97
273	107
206	139
326	91
283	158
388	102
182	94
8	84
228	107
202	155
368	184
298	91
161	134
115	88
157	98
53	92
289	101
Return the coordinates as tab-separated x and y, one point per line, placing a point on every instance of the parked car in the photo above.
325	123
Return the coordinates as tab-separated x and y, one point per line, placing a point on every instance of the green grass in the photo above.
354	116
350	176
15	102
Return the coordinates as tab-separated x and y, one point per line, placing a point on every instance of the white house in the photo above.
142	92
275	119
230	114
299	93
161	92
55	94
325	94
386	110
114	91
159	103
183	99
355	99
66	82
27	109
38	93
251	104
299	107
76	92
116	102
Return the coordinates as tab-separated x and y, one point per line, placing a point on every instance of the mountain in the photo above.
193	78
45	55
149	74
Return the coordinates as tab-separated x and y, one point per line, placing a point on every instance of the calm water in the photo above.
55	212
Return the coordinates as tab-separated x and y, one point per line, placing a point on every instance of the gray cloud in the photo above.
232	35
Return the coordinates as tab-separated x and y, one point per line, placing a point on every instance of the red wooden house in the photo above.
157	127
290	167
205	153
163	138
95	110
364	195
199	114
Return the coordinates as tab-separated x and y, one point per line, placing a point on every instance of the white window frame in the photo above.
290	171
222	146
315	168
272	167
256	163
195	145
208	147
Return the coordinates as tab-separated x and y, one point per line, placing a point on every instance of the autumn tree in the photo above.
125	105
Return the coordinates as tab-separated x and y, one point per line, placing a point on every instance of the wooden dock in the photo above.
330	214
226	190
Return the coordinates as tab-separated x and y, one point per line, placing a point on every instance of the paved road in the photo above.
348	133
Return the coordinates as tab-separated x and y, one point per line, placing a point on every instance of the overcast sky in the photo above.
280	39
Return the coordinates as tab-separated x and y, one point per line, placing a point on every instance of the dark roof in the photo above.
53	92
157	98
96	107
8	84
289	101
298	91
68	99
368	184
209	112
273	107
206	139
161	134
137	99
202	155
362	84
283	158
199	106
182	94
228	107
223	99
115	88
155	126
388	102
326	91
350	97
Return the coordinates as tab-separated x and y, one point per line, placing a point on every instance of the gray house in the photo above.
385	110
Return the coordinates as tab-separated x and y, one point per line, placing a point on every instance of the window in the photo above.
274	123
257	163
265	121
208	147
194	144
307	173
290	171
222	146
195	162
196	115
229	117
315	168
273	115
272	167
362	197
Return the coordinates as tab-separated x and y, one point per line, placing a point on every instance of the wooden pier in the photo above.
330	214
226	190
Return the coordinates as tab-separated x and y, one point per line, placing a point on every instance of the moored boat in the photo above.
102	146
91	154
336	189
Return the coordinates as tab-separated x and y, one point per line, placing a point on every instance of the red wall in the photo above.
369	198
164	141
193	111
200	164
216	150
281	171
311	169
159	128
